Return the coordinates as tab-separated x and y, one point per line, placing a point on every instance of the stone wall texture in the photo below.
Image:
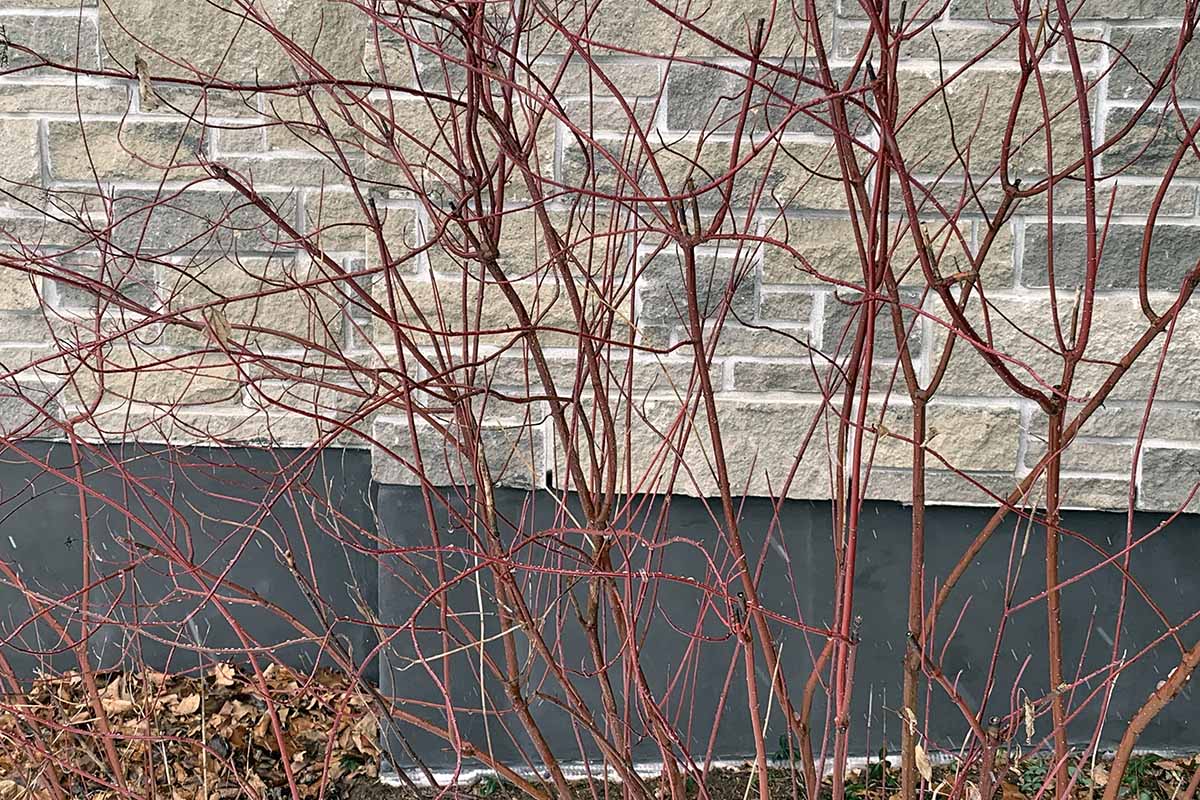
216	319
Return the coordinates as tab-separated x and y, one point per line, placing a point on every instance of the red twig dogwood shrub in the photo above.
605	251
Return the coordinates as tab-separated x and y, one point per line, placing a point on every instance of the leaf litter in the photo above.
212	736
190	737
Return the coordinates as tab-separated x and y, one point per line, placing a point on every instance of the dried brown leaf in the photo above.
219	327
146	96
923	765
224	674
115	705
188	705
1029	717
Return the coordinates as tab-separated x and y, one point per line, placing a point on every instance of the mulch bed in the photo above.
190	737
210	736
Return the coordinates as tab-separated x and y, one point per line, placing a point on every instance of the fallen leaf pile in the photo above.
190	737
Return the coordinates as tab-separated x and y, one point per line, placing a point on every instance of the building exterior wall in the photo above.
89	140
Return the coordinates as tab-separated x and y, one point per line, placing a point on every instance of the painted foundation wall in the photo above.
39	530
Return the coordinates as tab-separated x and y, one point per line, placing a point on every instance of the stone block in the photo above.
721	283
844	313
514	450
1168	478
965	126
1147	51
1172	256
958	435
124	151
20	157
66	39
235	49
1146	144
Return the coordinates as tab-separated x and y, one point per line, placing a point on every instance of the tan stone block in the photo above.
959	436
20	159
42	98
763	439
17	289
124	374
128	150
979	102
234	49
275	303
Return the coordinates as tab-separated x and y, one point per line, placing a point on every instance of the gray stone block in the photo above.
710	98
1146	53
26	411
1149	146
1168	476
1173	255
1002	10
162	224
718	279
515	453
32	39
843	312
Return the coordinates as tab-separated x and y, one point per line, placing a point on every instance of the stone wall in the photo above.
213	318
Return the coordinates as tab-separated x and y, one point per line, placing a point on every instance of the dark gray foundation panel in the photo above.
208	503
1166	566
216	493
